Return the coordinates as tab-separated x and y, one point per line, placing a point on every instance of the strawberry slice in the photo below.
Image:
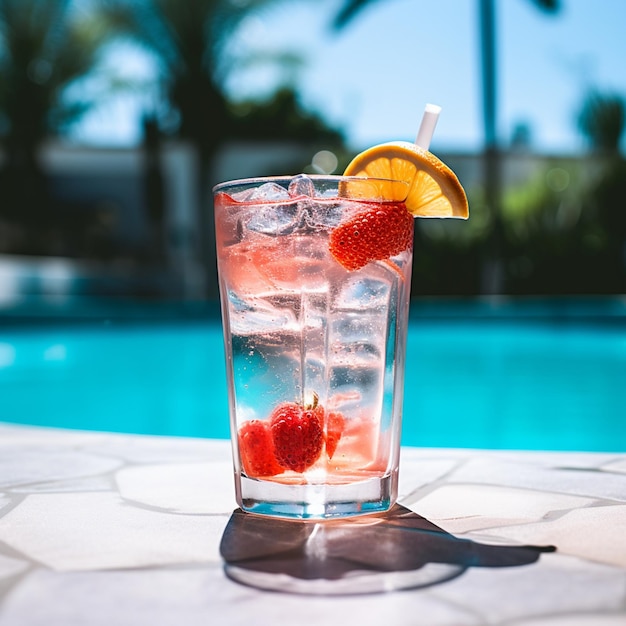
377	233
257	449
335	423
298	435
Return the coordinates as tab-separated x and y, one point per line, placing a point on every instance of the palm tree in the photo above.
486	12
189	39
45	47
602	120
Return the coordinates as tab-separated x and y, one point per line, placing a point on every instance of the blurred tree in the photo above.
351	8
190	41
45	47
602	120
550	240
281	117
182	37
565	228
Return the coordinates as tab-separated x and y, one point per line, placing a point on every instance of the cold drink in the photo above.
314	280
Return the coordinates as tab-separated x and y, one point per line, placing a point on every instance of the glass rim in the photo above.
345	182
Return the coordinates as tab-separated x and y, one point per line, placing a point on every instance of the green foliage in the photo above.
563	233
190	41
45	47
602	120
281	117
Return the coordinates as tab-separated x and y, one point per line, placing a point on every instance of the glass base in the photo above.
317	501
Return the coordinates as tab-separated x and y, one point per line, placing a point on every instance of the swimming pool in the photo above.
531	381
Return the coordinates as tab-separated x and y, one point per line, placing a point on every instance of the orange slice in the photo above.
434	189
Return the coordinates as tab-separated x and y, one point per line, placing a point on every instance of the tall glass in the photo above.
315	351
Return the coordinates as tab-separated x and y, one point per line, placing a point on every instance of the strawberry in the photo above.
377	233
335	423
297	433
257	450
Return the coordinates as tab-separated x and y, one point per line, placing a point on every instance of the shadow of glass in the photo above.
395	550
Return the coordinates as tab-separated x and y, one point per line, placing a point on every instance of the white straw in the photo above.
427	127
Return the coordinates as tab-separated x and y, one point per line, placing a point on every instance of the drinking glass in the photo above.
315	352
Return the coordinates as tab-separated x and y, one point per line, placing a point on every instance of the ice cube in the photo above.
365	294
301	185
267	191
313	215
277	219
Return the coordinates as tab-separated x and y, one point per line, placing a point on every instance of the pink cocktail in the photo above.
315	307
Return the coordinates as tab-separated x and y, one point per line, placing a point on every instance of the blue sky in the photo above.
375	77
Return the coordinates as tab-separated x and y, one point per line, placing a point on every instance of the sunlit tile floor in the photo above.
122	530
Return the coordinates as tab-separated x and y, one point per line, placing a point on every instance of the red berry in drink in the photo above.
377	233
257	450
297	434
335	423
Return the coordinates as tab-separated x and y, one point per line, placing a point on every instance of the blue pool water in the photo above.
534	383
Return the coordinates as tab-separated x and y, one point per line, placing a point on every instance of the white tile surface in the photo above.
11	566
554	585
524	473
458	508
597	534
181	488
91	531
31	465
99	529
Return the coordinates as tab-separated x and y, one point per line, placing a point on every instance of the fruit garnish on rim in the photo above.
378	232
434	190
